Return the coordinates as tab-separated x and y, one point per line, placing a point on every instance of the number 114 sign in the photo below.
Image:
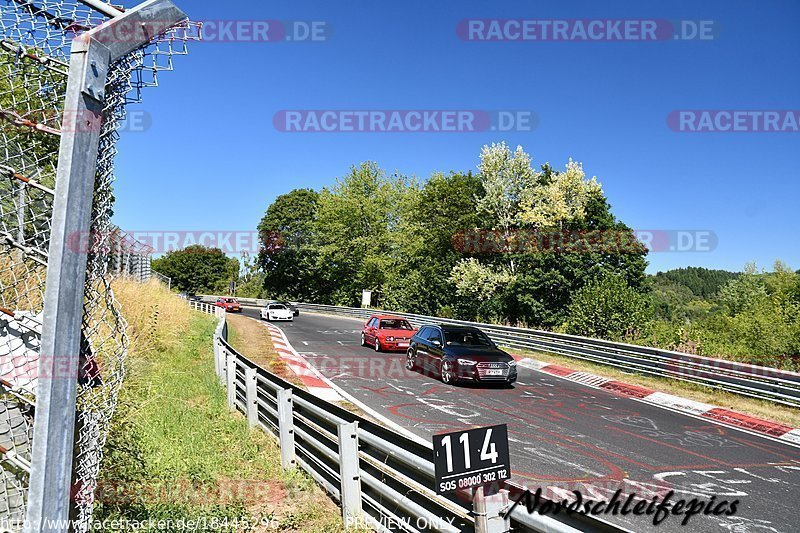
471	458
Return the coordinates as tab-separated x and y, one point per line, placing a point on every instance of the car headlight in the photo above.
390	339
467	362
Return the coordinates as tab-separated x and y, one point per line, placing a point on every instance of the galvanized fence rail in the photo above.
748	380
68	69
382	480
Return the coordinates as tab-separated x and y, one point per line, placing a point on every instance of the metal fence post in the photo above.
251	396
216	345
222	358
350	475
51	457
488	509
230	369
286	428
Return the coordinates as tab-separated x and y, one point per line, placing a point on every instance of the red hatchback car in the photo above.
386	332
231	305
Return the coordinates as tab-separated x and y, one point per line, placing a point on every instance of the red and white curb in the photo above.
670	401
309	376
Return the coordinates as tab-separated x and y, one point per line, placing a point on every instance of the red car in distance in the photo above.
231	305
386	332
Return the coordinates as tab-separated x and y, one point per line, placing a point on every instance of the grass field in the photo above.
177	453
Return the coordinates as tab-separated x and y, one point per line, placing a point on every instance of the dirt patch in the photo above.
251	338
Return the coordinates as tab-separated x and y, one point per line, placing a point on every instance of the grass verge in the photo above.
250	338
176	453
750	406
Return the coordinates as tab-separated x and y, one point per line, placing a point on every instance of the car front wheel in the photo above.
377	345
448	374
363	340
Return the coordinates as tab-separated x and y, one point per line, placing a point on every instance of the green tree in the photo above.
702	282
195	269
251	278
608	308
431	240
743	292
288	256
357	230
534	284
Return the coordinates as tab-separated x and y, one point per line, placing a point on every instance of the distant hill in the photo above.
702	282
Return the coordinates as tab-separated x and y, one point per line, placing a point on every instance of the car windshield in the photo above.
230	300
466	337
277	306
392	323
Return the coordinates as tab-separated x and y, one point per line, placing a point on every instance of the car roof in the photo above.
449	327
391	317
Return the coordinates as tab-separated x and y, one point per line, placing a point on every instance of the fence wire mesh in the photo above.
128	257
35	44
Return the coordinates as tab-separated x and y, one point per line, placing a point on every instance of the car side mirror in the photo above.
436	342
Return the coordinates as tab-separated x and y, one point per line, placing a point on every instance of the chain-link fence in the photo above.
36	61
128	257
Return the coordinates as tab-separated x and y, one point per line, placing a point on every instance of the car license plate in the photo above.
402	344
497	372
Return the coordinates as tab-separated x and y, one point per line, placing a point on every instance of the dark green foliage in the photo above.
401	240
608	308
197	269
443	209
754	317
702	282
288	256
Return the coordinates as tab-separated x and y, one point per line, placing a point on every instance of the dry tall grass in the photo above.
157	319
176	451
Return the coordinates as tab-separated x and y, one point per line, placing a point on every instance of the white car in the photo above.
276	312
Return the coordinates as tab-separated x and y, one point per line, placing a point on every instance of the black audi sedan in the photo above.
460	353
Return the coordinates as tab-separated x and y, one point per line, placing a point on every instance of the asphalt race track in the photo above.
566	436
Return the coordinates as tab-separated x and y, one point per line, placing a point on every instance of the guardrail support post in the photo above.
488	508
250	397
221	357
230	369
286	428
217	347
350	475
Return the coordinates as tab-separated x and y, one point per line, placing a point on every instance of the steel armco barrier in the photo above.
204	307
383	480
740	378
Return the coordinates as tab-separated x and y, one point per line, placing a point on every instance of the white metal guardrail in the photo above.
382	479
739	378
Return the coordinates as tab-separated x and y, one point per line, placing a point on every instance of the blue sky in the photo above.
212	159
